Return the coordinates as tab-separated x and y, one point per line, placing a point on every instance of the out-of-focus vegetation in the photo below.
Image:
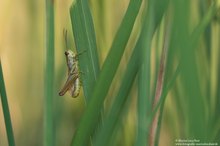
150	72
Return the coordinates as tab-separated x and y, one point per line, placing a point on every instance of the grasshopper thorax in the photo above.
70	55
72	61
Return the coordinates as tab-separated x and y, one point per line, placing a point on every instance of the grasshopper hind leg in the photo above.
75	89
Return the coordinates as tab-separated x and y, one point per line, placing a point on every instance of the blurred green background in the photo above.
23	54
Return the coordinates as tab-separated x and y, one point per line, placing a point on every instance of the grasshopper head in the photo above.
71	59
70	55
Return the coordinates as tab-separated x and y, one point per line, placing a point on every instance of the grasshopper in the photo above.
73	83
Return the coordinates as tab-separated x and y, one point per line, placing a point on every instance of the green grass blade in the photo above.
169	85
104	135
6	111
217	99
195	93
201	27
195	117
203	7
144	93
85	39
90	118
160	83
144	101
49	76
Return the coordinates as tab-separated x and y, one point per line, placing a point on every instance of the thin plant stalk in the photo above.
49	76
6	111
144	101
160	81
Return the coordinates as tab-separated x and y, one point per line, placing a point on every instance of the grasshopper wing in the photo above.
75	89
69	83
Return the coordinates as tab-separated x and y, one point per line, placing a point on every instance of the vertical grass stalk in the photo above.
49	75
160	85
151	21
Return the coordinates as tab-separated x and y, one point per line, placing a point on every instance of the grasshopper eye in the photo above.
66	53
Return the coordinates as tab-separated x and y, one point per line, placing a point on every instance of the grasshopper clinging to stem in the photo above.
73	83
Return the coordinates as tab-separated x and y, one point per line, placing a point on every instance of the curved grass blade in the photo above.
144	101
6	111
194	117
194	37
161	83
193	87
85	40
49	76
90	118
104	135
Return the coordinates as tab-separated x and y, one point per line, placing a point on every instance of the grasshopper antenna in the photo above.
65	37
80	53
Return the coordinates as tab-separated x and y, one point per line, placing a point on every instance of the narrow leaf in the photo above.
151	21
106	131
49	75
6	111
85	39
